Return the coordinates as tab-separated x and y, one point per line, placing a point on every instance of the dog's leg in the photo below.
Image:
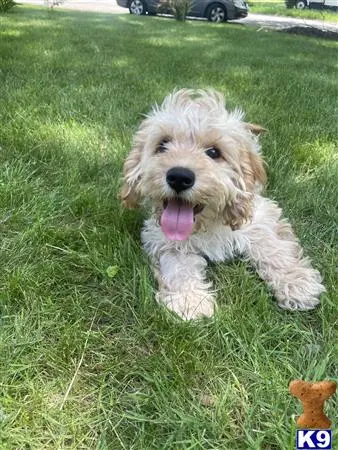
277	255
182	285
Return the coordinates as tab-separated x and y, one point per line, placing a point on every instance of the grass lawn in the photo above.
278	8
88	361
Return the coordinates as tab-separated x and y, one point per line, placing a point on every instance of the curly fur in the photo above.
236	220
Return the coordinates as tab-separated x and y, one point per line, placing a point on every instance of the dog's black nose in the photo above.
180	178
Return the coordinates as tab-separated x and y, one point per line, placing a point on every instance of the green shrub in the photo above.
179	8
52	3
6	5
290	3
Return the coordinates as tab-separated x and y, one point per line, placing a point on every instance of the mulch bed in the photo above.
312	32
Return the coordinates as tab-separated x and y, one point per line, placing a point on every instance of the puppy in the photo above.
198	168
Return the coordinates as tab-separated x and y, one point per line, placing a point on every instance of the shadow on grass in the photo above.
151	62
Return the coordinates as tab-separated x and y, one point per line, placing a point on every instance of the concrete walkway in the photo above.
287	22
260	20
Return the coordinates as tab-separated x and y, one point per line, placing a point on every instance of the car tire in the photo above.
217	13
301	4
137	7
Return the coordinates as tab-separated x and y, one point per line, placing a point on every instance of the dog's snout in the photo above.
180	178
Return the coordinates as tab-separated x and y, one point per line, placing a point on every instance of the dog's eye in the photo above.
162	146
213	153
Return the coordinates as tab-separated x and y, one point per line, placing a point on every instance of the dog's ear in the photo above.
253	171
252	177
255	129
130	191
252	164
238	212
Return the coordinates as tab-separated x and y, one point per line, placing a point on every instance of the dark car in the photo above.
215	11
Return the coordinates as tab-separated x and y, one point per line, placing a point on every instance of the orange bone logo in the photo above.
313	396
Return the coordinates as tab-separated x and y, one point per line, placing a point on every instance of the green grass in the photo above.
278	8
88	361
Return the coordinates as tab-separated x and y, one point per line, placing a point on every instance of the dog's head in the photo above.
196	162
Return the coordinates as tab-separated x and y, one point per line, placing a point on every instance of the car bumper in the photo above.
240	13
123	3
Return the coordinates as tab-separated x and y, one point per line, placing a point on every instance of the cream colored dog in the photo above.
199	169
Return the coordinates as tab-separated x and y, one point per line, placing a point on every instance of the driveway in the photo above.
277	22
258	20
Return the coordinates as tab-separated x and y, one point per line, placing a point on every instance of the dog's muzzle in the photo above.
180	178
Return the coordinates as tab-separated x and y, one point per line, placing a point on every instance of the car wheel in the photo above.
216	13
137	7
301	4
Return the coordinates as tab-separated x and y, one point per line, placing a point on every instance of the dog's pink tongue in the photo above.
177	220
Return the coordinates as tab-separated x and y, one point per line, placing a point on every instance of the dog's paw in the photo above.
188	306
300	290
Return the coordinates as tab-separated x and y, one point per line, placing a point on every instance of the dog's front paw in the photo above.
300	290
188	306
